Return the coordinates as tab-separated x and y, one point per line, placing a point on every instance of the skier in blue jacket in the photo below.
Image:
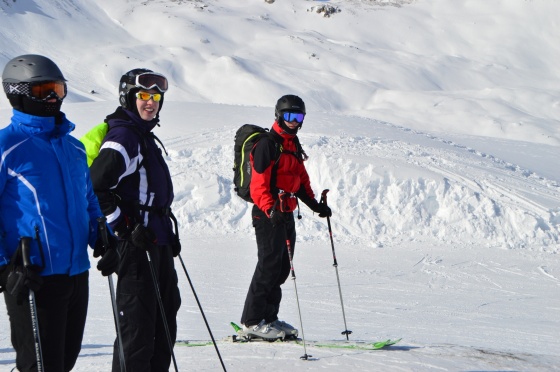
47	200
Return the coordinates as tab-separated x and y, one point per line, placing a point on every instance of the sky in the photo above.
434	125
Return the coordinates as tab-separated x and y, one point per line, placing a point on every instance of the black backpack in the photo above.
245	140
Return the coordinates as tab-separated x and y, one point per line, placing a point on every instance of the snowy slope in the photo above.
433	123
412	63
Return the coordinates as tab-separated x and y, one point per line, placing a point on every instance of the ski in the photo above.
240	337
350	345
190	343
357	345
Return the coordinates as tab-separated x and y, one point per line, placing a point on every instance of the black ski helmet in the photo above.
289	102
18	76
292	103
128	89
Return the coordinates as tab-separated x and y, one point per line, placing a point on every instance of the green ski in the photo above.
333	345
358	346
192	343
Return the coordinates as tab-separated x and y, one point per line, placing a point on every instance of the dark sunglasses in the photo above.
151	80
145	96
293	116
44	90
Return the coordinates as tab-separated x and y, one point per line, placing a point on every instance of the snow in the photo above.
433	123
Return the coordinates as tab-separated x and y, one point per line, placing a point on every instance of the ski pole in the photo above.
25	248
293	274
335	264
202	312
102	228
161	309
117	323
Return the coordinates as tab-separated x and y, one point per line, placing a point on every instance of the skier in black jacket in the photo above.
133	184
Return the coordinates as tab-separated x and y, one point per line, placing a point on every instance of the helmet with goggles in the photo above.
31	82
290	103
290	108
140	79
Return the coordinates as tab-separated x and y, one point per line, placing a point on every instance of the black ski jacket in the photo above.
131	178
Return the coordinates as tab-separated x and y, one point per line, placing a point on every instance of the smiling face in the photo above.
147	109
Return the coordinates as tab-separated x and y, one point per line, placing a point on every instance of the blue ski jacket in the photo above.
46	194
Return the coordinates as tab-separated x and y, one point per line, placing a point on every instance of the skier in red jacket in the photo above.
275	190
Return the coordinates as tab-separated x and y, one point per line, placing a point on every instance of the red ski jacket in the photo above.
291	176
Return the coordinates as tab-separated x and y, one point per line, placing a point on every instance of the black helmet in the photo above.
289	103
31	68
136	79
292	103
22	73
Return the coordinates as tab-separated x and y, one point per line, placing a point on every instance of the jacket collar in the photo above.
123	116
285	135
39	124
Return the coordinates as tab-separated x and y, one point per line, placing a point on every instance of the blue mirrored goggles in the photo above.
293	116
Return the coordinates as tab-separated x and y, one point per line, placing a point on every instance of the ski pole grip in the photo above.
25	243
102	229
324	196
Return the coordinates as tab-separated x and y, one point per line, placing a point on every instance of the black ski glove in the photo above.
20	280
176	247
109	263
276	217
100	249
323	210
142	237
110	259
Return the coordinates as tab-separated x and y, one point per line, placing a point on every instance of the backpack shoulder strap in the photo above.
279	150
300	154
277	144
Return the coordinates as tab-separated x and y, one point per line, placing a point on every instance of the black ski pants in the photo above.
273	268
62	305
145	343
